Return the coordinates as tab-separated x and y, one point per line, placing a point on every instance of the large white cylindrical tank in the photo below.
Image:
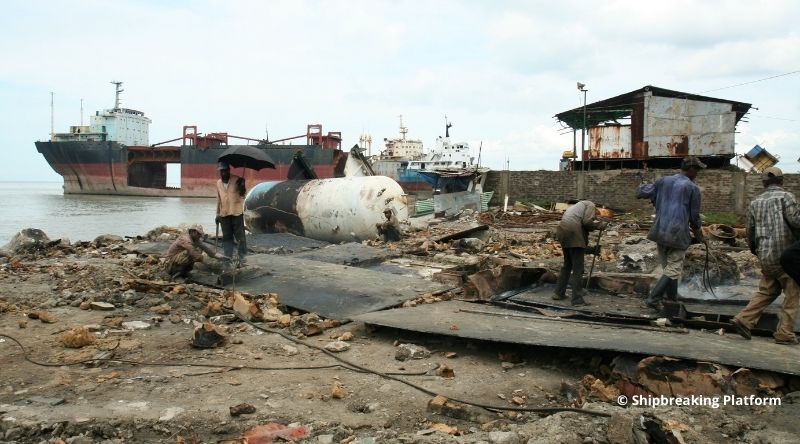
333	210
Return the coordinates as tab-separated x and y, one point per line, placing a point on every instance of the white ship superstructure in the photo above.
446	155
402	148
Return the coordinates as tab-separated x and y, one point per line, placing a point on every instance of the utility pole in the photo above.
582	87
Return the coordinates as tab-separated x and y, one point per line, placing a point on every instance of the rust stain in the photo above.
679	148
640	150
610	142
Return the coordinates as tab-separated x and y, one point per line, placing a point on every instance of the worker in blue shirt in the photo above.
677	202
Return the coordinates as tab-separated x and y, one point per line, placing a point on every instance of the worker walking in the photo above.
230	211
773	218
573	234
186	250
677	202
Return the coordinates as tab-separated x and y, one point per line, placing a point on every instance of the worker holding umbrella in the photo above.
230	195
230	211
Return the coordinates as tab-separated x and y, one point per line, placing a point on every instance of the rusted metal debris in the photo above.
487	283
208	336
660	375
242	409
523	220
469	232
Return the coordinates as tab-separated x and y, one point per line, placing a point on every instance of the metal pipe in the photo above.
583	131
594	257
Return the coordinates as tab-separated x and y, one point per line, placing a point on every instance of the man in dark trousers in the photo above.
677	202
790	261
573	234
772	220
230	211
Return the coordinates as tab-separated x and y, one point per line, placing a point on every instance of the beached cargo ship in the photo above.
112	155
404	161
393	161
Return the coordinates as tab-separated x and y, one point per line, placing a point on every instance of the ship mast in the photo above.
403	130
118	91
366	143
52	125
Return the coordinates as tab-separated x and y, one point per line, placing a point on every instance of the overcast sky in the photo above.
499	70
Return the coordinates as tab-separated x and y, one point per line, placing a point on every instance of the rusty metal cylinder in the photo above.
333	210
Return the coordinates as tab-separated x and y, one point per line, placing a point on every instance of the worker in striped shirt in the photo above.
773	221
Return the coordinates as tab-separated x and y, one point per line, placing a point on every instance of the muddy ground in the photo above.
146	383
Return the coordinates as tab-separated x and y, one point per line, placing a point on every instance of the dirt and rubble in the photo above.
97	345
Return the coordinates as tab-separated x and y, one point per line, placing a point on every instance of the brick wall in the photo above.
538	186
723	191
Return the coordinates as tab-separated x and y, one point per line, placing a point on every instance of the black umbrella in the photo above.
246	156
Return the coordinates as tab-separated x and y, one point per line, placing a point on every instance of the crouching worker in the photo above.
390	228
573	234
187	249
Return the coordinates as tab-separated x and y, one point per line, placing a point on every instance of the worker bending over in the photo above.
573	234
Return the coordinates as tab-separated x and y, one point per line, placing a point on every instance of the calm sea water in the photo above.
82	217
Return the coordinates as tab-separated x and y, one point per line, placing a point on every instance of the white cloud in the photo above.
500	70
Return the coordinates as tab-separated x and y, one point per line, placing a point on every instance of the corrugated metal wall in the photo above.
610	142
677	127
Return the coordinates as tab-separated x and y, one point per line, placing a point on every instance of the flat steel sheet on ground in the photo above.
601	304
517	327
624	305
332	291
351	253
729	311
286	242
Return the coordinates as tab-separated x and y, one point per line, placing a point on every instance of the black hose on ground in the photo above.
345	364
350	364
26	356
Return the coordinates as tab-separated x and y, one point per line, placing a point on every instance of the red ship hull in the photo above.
112	168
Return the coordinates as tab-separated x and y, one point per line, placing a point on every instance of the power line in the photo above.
773	117
754	81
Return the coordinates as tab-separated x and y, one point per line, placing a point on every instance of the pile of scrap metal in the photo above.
725	233
518	219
